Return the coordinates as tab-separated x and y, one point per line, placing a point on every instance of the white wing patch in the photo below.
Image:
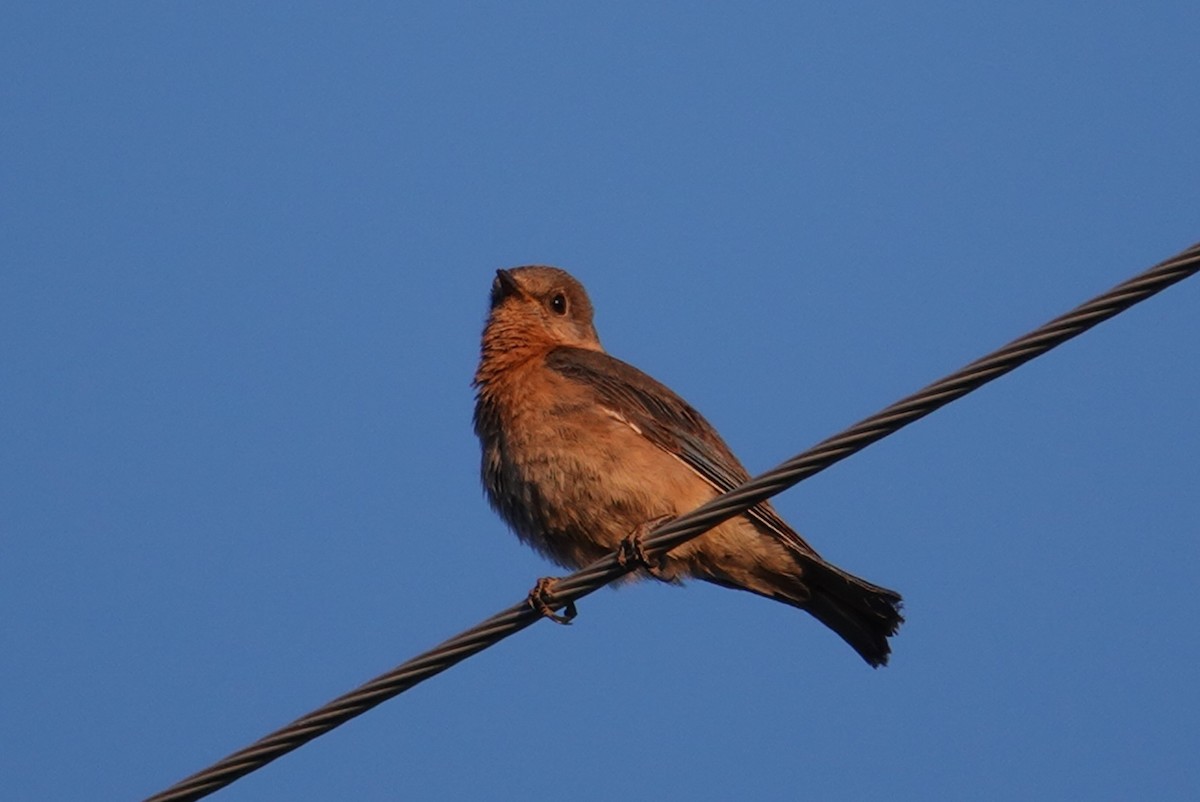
617	416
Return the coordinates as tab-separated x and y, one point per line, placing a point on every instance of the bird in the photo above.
583	453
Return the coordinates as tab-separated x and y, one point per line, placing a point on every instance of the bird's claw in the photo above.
537	599
631	553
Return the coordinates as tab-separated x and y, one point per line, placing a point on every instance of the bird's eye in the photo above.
559	303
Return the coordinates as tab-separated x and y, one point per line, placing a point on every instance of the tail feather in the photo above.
864	615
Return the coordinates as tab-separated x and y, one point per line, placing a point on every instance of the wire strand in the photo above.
682	529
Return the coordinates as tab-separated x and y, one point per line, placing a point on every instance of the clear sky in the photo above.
245	253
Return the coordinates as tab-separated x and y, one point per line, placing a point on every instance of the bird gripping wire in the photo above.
571	588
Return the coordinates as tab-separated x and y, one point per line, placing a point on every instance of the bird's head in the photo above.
540	306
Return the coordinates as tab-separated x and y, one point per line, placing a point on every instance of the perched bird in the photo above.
581	452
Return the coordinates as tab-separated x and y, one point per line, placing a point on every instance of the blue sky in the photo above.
244	260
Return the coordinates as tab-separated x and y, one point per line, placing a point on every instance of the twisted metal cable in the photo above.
684	528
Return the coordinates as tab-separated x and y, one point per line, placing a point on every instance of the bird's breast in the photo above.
572	477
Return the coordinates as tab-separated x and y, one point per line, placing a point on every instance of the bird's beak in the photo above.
504	286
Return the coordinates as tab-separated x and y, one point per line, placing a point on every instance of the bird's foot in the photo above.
631	553
538	599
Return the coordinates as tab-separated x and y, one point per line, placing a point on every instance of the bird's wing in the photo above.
667	421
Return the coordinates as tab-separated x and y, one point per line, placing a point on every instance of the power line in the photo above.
682	529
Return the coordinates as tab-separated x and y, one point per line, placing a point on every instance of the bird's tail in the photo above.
864	615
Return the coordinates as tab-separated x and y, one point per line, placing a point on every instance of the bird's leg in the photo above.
630	551
537	600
